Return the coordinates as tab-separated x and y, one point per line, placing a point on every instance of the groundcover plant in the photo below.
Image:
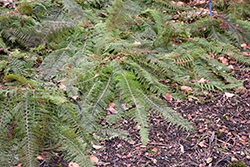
68	66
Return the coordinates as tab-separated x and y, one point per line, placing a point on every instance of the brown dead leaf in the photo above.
229	94
118	155
73	164
182	148
244	46
202	143
223	60
202	80
244	137
186	88
40	157
155	150
137	43
112	110
129	155
168	97
180	3
174	84
93	159
62	86
234	159
209	160
97	147
154	161
246	54
231	67
111	105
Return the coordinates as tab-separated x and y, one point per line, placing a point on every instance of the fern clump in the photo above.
66	67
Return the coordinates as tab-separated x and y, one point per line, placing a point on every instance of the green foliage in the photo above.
65	66
237	164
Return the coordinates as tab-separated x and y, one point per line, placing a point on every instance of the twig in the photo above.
220	160
160	144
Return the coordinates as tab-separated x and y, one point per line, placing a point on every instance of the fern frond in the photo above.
55	61
169	114
74	147
75	11
131	94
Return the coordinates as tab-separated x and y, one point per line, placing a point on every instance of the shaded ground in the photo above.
222	136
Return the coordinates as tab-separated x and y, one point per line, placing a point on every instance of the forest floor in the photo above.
221	136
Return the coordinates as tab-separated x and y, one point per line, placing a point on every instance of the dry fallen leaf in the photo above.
223	60
155	150
62	86
229	94
234	159
202	80
168	97
97	147
137	43
231	67
40	157
132	142
112	110
186	88
111	105
209	160
94	159
73	164
182	148
244	46
154	161
202	143
180	3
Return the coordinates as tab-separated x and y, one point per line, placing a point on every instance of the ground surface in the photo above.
222	135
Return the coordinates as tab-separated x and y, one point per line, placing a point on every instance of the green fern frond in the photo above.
74	147
75	11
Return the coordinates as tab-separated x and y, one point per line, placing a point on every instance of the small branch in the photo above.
220	160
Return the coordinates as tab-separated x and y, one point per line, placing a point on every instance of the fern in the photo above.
62	67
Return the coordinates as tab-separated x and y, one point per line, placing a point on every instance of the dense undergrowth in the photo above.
69	69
